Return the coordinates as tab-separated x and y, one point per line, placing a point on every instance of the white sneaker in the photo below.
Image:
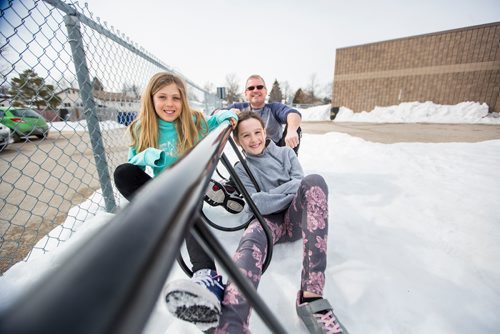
196	300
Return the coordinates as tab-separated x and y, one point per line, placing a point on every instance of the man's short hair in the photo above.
255	76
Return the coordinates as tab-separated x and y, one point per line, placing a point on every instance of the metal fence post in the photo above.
82	73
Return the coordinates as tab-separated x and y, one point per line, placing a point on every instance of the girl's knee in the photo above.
124	170
317	180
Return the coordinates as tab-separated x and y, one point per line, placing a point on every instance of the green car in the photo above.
24	122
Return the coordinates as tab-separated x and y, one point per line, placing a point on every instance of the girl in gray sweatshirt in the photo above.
294	207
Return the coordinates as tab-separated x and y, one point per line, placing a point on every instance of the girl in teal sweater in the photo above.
165	129
166	126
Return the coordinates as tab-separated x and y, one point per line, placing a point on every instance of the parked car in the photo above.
24	122
5	137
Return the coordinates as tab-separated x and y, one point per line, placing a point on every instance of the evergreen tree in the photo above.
275	95
300	97
30	89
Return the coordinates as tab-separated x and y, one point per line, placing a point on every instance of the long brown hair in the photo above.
144	129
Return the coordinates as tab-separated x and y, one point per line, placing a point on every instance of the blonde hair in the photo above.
144	129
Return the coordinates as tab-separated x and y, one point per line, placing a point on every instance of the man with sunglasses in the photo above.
275	116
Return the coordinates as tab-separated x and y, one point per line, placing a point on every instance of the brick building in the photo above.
445	67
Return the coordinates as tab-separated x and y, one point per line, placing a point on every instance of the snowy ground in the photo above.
414	236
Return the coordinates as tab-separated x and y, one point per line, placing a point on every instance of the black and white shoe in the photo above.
196	300
217	194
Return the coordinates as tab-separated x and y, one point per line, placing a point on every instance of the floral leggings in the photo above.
306	218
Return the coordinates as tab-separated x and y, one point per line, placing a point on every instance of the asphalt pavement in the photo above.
388	133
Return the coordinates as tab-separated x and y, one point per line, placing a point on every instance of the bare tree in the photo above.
4	67
313	85
328	92
192	96
233	88
66	81
97	84
209	87
287	91
131	90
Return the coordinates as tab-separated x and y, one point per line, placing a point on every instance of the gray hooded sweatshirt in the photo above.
278	173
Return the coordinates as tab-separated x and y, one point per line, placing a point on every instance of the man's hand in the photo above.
236	111
292	138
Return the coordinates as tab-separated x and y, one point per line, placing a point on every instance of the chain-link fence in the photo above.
83	82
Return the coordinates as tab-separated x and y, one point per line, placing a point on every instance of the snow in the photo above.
414	234
408	112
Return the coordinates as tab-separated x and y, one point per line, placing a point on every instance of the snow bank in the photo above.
408	112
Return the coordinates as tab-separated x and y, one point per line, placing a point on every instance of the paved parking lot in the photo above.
42	180
408	132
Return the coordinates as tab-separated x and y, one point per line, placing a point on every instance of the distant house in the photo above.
71	107
108	104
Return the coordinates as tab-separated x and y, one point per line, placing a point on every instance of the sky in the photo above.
287	40
414	234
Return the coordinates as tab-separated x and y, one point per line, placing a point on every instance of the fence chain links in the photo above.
52	54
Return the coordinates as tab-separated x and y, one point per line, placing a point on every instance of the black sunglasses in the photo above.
259	87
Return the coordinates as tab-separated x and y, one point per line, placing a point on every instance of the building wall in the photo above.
446	67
